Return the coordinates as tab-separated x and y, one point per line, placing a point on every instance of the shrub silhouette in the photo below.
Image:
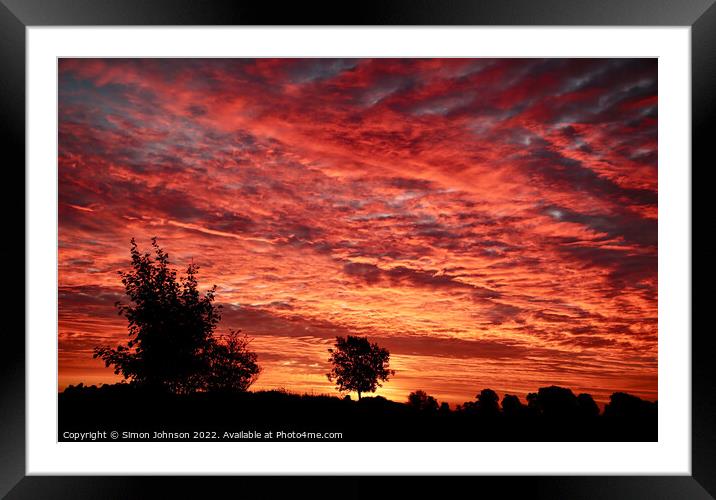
357	365
488	403
171	326
586	406
626	406
233	367
512	407
419	400
554	402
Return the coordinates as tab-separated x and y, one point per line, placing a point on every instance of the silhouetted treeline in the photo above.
550	414
183	377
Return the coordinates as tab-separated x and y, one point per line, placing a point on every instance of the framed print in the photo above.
417	240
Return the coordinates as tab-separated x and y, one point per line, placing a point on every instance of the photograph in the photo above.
357	250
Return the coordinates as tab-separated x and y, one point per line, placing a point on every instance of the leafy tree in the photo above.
488	399
171	328
512	406
233	367
358	365
553	402
626	406
488	403
421	401
586	406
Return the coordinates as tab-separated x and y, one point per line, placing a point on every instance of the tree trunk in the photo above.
358	395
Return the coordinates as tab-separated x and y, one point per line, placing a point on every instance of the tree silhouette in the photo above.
358	365
586	406
233	367
512	407
627	406
488	403
554	402
421	401
171	328
109	406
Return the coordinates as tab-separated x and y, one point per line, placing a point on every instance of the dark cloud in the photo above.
561	172
629	227
88	295
372	274
410	184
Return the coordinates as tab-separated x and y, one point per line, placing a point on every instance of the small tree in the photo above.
488	403
358	365
421	401
171	329
512	406
233	367
553	402
586	406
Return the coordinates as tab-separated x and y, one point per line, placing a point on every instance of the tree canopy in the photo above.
171	328
357	365
233	367
422	401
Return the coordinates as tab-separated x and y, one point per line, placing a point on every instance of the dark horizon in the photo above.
552	414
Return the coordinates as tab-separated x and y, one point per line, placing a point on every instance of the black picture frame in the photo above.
17	15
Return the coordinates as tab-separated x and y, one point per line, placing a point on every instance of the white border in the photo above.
671	455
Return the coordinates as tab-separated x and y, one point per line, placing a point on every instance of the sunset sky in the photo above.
493	223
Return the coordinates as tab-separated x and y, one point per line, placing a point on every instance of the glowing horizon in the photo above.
493	223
